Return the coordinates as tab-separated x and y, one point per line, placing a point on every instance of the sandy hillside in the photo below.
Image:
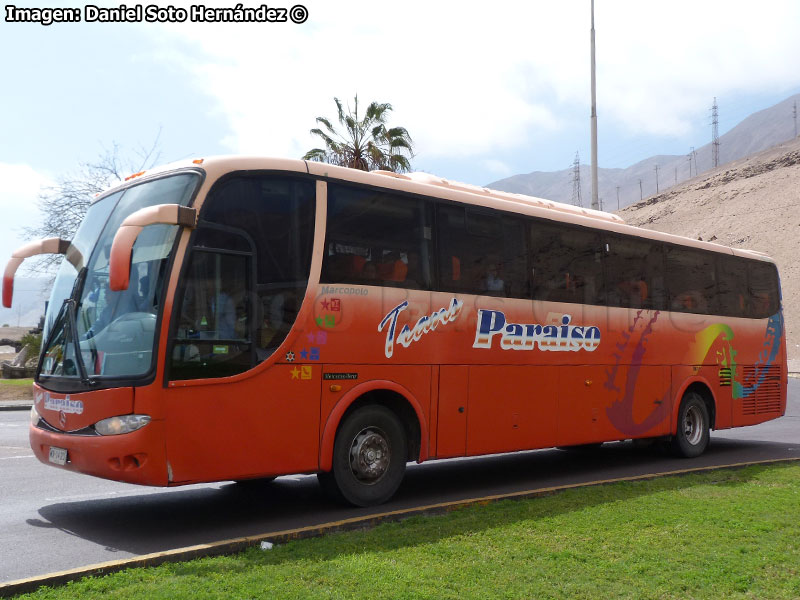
753	203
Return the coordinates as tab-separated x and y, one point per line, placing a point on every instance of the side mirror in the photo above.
45	246
119	272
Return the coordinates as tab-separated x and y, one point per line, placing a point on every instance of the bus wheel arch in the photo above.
382	393
694	421
701	387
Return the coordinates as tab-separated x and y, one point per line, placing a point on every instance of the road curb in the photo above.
234	545
9	407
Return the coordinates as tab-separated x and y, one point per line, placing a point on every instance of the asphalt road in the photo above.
51	520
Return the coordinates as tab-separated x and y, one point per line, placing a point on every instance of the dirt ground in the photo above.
753	203
15	392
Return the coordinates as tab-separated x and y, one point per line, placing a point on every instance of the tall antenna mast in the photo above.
715	133
576	181
595	201
794	114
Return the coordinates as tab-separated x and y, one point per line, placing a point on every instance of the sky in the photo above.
486	90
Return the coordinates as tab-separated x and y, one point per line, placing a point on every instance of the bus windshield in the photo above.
91	331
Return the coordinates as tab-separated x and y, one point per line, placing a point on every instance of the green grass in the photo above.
722	534
16	382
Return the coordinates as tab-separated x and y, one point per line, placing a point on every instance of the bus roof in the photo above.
433	186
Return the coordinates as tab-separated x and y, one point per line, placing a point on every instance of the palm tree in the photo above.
367	144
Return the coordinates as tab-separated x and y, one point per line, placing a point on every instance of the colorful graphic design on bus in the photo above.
706	339
333	304
620	413
425	324
527	336
309	353
326	320
769	352
317	337
303	372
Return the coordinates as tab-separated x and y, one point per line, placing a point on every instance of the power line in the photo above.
576	181
656	179
715	132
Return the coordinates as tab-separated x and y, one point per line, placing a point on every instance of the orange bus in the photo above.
244	318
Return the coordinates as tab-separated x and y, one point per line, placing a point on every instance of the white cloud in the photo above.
469	79
453	72
497	167
19	191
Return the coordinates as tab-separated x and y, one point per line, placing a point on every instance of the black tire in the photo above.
691	438
369	457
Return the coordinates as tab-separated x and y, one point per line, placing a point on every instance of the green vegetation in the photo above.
17	382
366	143
722	534
34	342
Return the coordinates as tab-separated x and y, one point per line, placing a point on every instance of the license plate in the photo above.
58	456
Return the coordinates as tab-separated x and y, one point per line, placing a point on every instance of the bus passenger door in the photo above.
218	428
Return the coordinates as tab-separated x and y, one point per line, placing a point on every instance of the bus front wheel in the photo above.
692	436
369	457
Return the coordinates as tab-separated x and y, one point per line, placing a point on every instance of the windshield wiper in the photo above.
66	321
71	311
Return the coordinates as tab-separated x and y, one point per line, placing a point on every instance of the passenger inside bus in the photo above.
274	324
690	301
392	267
629	294
208	313
492	283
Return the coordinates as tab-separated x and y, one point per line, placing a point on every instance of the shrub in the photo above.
34	341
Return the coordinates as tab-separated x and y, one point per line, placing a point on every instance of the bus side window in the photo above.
213	329
275	216
377	238
567	264
482	252
634	273
691	280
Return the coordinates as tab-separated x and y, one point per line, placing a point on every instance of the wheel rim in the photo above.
369	455
693	425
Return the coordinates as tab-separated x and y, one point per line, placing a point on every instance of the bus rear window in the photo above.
763	287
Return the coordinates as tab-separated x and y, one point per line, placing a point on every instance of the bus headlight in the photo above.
121	424
34	416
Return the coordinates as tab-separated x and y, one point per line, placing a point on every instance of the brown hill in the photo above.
751	203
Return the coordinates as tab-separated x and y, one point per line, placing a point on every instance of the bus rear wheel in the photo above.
691	438
369	457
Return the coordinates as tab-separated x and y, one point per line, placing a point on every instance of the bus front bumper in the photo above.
137	457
